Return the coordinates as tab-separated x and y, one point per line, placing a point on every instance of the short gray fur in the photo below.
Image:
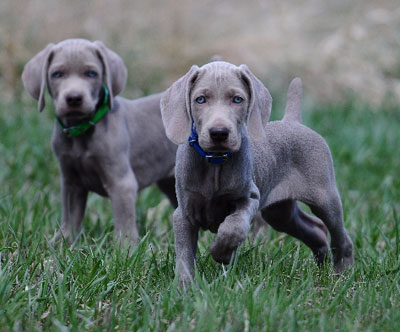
124	152
274	164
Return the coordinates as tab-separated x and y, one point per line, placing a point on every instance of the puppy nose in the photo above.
74	99
219	134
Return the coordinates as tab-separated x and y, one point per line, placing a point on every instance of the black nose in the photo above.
74	99
219	134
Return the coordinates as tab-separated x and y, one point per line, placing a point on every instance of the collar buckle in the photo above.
192	140
220	157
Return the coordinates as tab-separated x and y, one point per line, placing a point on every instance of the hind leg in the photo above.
329	209
167	186
287	217
259	225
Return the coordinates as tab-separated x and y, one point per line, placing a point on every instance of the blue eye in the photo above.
91	74
237	99
57	74
201	100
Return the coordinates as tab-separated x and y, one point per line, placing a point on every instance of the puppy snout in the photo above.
74	99
219	134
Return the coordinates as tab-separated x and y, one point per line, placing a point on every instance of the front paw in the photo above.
64	233
184	282
229	238
222	253
126	240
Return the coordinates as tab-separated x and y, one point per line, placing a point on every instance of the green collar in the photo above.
82	127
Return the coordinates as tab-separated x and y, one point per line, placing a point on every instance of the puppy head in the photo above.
74	72
219	102
220	98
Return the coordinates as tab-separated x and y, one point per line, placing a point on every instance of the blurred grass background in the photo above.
347	53
341	48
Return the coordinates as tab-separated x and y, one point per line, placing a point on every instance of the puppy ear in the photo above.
34	76
259	105
115	70
175	107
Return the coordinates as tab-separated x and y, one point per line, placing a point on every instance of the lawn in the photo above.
273	285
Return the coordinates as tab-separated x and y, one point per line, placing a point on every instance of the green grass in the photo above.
273	286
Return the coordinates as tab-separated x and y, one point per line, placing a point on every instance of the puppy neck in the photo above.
230	176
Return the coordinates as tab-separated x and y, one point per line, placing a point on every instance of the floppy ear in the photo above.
175	107
34	76
259	105
115	70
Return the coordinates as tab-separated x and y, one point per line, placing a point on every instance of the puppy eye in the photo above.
57	74
91	74
237	99
200	100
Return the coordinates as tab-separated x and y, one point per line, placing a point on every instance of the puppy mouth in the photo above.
219	147
223	147
76	114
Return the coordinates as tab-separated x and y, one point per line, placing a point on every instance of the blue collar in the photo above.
211	157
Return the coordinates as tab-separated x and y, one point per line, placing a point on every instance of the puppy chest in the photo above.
92	182
208	214
85	170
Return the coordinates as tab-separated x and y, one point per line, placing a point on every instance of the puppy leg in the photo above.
167	186
259	225
329	209
186	237
233	231
74	198
123	194
287	217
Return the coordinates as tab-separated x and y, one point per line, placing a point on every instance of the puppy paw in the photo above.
222	253
231	234
343	256
321	255
184	282
126	240
65	233
225	246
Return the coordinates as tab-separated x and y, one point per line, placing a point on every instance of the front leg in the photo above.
186	237
123	194
74	198
233	231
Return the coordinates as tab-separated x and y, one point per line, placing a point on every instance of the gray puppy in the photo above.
237	163
105	144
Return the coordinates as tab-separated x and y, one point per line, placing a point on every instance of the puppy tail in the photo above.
294	101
